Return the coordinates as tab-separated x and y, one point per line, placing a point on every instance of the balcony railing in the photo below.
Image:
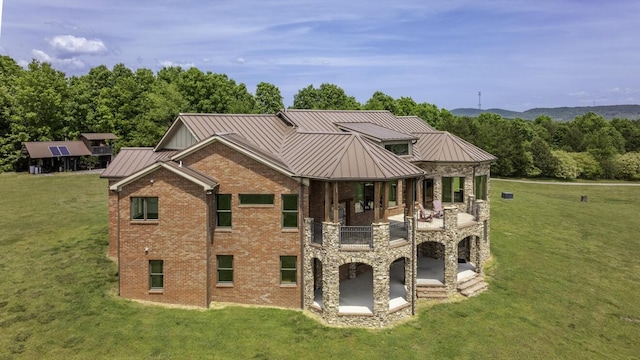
360	236
101	150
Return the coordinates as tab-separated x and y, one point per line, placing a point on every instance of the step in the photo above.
433	292
475	289
469	282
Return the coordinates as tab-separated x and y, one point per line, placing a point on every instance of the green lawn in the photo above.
564	283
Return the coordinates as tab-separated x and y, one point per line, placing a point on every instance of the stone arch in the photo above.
469	254
317	272
355	288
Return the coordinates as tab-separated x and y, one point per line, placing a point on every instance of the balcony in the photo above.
101	150
358	237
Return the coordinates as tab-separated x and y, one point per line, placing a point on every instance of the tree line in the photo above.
40	103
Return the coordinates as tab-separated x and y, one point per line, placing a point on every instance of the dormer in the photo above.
399	143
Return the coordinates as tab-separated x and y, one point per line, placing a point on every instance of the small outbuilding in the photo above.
92	150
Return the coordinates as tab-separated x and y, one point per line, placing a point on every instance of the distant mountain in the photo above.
631	112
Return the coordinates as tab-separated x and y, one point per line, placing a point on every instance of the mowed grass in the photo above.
564	283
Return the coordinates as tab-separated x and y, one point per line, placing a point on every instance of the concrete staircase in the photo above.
472	286
431	292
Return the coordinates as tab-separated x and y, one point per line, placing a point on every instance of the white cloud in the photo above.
240	60
71	63
168	63
70	44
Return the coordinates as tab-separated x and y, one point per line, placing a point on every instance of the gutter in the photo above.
209	241
118	240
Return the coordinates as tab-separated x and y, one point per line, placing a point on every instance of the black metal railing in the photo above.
399	230
101	150
356	236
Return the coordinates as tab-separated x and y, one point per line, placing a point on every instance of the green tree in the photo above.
567	167
381	101
326	97
268	98
543	159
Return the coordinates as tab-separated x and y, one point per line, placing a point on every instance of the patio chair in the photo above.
437	209
423	215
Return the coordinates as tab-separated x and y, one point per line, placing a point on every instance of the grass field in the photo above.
564	283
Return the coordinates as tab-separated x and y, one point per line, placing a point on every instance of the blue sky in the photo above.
520	54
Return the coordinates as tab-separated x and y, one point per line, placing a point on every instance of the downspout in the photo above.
209	240
414	266
118	239
301	227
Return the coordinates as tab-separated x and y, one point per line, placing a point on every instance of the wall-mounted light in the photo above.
152	181
146	250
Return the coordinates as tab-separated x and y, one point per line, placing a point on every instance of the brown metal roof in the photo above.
412	123
99	136
264	131
326	120
240	143
131	160
441	146
192	174
376	132
41	149
343	156
208	183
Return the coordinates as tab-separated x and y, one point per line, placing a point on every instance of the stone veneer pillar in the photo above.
451	249
380	271
331	271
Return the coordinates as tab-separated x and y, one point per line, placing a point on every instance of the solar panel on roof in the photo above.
54	150
63	150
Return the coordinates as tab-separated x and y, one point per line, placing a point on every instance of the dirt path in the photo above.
567	183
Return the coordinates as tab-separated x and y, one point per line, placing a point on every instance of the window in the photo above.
156	275
452	189
398	149
225	269
256	199
481	187
288	271
144	208
290	211
393	193
363	197
223	210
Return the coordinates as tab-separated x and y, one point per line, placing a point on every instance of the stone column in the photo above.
380	290
307	267
330	272
381	237
451	265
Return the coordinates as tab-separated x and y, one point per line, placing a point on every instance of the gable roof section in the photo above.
441	146
99	136
40	149
242	145
376	132
207	183
131	160
326	120
343	156
265	131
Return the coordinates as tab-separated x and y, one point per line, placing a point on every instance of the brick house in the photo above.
353	215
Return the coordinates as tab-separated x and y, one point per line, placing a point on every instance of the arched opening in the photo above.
356	288
466	248
430	263
398	283
316	266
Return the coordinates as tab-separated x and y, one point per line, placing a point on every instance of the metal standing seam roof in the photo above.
99	136
40	149
414	123
326	120
441	146
377	132
242	143
265	131
131	160
192	173
344	156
